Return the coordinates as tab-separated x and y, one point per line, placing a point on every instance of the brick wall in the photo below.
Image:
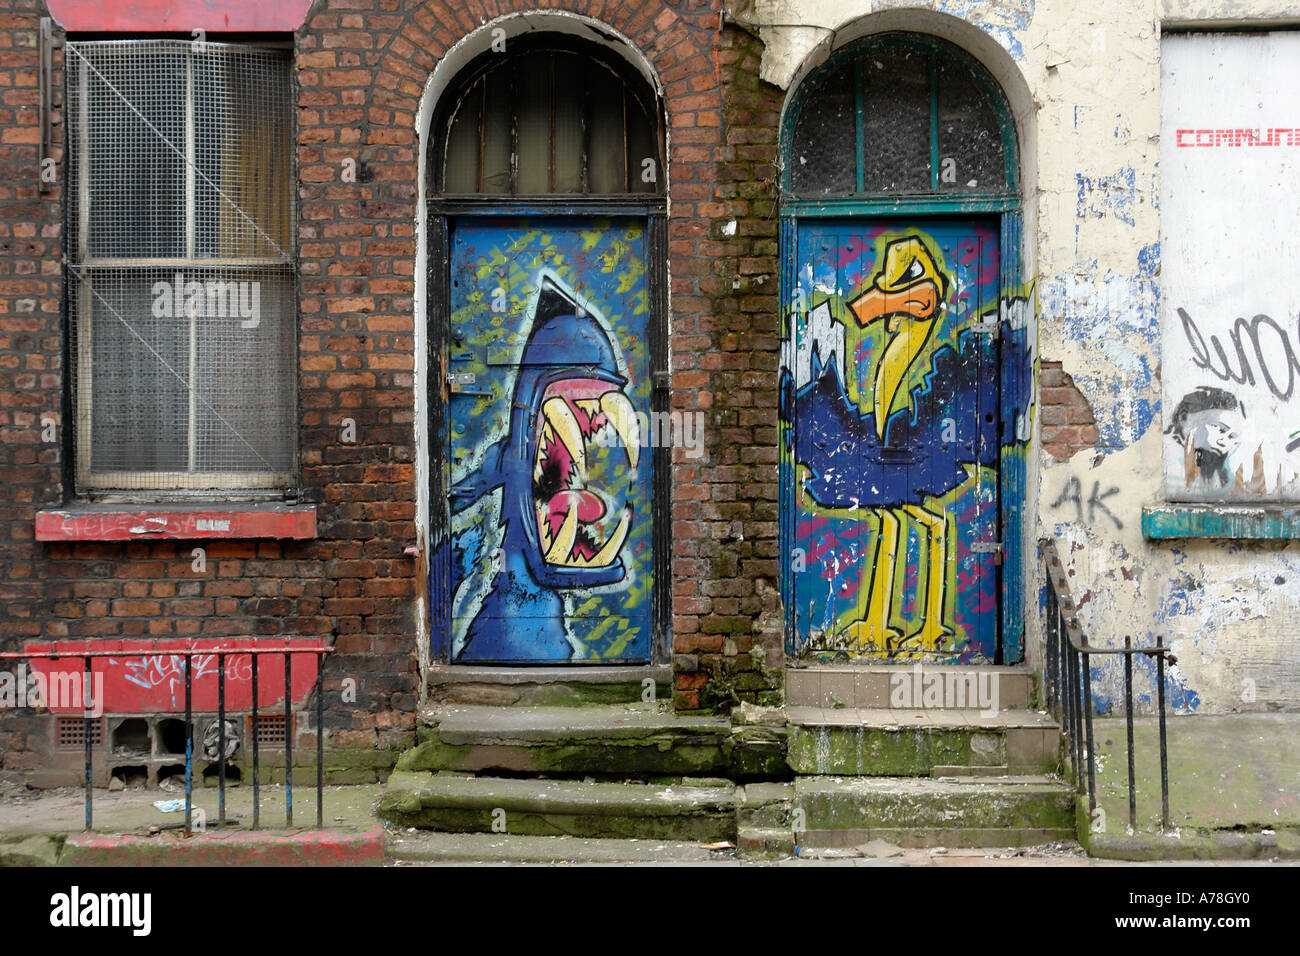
1068	422
31	349
727	623
361	66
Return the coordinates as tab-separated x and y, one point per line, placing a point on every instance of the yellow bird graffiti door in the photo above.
891	439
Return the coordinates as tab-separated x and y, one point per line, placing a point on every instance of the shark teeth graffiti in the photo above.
574	523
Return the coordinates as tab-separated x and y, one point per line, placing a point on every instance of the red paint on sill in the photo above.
145	524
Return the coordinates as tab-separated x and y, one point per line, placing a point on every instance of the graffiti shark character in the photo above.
558	534
897	461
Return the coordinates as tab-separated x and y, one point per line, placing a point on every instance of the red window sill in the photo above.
176	522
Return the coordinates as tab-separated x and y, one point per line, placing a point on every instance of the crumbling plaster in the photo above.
1084	82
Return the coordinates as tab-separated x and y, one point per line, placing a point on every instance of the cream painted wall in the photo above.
1084	81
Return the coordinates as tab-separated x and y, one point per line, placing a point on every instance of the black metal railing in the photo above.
1068	680
221	654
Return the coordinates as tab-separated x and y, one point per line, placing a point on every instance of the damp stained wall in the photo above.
1085	83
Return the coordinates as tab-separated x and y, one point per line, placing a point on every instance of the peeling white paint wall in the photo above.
1084	81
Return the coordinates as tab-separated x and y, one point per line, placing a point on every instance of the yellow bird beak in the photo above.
908	293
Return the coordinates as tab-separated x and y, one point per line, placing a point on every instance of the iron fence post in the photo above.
320	739
90	735
257	804
1128	718
1087	715
221	740
288	740
1164	752
189	747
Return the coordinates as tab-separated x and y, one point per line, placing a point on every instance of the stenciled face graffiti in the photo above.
550	524
1226	448
893	438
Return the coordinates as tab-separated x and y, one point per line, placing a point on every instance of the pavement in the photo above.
1234	796
1234	787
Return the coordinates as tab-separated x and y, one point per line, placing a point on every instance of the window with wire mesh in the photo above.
181	283
540	120
901	116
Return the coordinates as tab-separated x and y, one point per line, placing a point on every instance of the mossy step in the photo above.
454	803
611	739
910	811
462	684
882	742
956	686
427	846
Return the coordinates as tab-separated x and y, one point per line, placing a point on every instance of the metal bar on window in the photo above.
934	122
860	147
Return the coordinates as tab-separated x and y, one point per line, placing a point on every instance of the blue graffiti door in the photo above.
890	455
550	386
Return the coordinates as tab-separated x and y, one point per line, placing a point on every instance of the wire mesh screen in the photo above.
182	299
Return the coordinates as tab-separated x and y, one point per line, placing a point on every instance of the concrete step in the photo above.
548	686
896	742
906	687
628	740
917	812
426	846
456	803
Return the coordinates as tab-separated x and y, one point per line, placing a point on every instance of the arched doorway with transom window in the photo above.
907	359
547	358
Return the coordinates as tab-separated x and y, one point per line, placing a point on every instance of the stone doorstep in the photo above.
228	848
881	807
869	686
428	846
545	725
900	719
456	803
546	686
1006	811
633	740
921	837
913	743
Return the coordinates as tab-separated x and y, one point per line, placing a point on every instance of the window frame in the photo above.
933	201
125	485
634	84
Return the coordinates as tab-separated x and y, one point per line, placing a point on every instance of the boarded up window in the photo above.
1230	364
182	287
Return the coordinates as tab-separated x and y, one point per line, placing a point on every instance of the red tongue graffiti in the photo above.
574	413
590	508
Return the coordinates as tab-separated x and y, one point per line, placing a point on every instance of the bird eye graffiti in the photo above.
894	431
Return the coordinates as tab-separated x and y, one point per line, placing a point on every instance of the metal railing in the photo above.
1068	679
221	654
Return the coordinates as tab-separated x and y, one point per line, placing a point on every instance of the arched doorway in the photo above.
906	359
548	327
